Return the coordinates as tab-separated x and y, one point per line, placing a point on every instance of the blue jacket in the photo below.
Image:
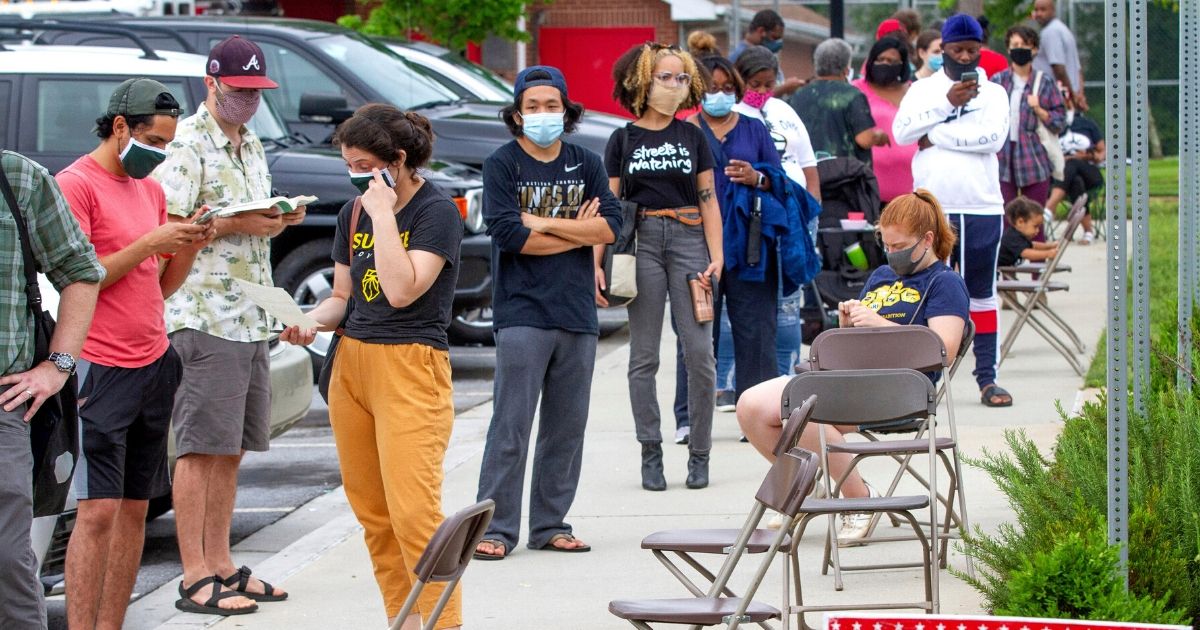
787	211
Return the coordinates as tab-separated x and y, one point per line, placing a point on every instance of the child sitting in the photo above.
1024	217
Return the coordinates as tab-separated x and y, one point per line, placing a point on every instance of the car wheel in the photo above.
307	273
472	326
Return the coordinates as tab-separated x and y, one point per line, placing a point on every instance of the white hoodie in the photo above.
961	168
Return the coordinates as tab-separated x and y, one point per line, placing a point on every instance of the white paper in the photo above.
277	303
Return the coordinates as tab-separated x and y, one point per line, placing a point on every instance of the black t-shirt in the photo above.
660	166
428	222
1012	243
554	292
834	112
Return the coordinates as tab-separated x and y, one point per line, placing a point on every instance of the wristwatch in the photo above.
761	178
63	361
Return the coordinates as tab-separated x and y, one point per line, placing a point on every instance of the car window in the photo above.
5	95
67	109
295	76
401	83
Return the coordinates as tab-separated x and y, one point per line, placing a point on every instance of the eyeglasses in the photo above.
728	89
666	78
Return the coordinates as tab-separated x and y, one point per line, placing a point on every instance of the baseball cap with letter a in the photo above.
240	63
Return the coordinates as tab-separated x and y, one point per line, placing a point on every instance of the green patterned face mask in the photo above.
139	159
362	181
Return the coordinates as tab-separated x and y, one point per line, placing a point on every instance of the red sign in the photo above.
854	621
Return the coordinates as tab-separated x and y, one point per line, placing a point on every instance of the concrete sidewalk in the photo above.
329	574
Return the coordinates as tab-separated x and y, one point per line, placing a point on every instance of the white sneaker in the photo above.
856	524
682	434
776	522
1087	239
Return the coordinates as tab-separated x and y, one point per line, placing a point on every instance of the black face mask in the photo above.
1020	56
886	73
955	70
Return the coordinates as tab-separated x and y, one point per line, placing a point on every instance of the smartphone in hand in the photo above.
970	77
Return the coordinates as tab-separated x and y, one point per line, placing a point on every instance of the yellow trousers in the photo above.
392	411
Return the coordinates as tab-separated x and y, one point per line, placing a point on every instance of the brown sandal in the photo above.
549	546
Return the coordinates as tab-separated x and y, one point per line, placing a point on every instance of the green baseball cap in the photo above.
138	97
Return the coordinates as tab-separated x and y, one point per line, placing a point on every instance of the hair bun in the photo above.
420	122
702	44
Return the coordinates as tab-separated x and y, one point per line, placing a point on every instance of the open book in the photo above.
283	204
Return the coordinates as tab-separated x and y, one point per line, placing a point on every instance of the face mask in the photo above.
237	107
542	129
666	100
756	99
1020	56
139	159
718	105
955	70
934	62
362	181
901	261
773	45
886	73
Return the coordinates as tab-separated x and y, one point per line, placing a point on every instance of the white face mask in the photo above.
849	74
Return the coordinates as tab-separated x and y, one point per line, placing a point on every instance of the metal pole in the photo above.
1188	136
1116	91
735	24
1140	260
837	18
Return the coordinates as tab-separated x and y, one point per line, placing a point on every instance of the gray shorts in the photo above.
223	405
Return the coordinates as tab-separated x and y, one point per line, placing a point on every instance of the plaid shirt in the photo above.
1026	160
60	249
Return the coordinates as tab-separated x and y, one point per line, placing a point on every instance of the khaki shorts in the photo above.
223	405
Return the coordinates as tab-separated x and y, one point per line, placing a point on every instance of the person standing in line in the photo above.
128	369
546	203
1058	56
959	123
766	29
391	401
62	252
223	406
665	167
836	114
887	80
1025	167
929	54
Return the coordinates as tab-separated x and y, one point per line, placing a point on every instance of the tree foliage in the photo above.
452	23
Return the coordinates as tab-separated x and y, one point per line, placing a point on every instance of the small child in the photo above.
1025	219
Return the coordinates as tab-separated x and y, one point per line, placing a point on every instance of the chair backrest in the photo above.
452	545
968	337
789	481
864	397
913	347
1074	219
797	418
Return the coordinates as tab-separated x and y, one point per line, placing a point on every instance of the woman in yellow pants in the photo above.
390	393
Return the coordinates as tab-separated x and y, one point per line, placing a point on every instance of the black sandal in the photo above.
995	390
242	579
488	557
211	606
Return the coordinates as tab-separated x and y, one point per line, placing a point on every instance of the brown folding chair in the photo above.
1032	306
784	490
917	348
446	556
868	398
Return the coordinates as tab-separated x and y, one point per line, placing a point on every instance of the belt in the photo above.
690	217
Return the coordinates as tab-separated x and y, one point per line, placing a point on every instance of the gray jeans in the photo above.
668	254
556	366
21	603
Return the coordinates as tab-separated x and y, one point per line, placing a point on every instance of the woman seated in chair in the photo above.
915	287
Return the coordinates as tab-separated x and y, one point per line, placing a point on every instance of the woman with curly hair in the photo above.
663	165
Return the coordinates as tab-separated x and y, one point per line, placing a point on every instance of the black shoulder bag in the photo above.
54	429
327	367
620	257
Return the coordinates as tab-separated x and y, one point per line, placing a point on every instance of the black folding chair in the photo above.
446	556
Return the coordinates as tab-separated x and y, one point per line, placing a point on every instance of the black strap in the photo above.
624	146
32	292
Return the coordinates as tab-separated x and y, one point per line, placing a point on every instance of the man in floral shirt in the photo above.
223	406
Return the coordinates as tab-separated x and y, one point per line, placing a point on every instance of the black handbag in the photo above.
54	429
327	367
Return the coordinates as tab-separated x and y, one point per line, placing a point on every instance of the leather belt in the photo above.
686	216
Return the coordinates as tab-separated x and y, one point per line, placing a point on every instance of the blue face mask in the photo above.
773	45
935	63
719	104
542	129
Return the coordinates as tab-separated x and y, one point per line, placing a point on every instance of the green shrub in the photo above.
1077	579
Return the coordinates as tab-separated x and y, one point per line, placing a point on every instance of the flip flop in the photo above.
210	606
995	390
242	579
488	557
549	546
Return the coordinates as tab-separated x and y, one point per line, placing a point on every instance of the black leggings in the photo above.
1079	176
